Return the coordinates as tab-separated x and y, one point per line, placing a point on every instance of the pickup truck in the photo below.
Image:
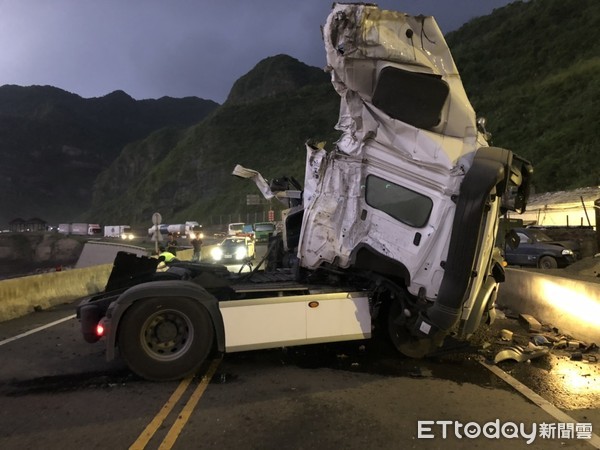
394	227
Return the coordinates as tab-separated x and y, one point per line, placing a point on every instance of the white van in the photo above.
235	228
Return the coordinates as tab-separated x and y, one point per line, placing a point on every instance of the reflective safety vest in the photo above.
168	256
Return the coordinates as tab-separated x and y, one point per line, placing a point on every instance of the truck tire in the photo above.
548	262
401	337
164	339
396	325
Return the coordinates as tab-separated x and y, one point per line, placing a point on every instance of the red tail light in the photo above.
99	330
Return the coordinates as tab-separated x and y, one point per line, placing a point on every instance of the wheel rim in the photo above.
166	335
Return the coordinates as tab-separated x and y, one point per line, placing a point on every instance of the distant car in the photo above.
537	249
233	250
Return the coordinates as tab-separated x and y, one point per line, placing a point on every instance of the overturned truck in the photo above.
396	225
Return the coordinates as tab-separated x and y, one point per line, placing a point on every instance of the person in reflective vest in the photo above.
166	256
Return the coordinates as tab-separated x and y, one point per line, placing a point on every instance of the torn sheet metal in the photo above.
259	180
520	354
405	119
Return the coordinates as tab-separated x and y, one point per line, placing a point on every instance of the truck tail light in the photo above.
99	330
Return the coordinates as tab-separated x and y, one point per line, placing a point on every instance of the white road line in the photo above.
35	330
538	400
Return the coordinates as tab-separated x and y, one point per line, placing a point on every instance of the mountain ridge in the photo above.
523	66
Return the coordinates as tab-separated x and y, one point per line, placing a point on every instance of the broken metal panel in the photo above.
362	42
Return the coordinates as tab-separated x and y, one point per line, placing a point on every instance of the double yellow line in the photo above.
182	418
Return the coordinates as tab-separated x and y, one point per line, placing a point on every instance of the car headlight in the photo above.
566	251
216	253
240	253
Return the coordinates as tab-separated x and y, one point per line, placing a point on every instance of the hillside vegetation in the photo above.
53	144
187	176
532	69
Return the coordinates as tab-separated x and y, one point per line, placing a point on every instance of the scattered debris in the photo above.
576	356
506	335
530	322
520	354
540	339
591	348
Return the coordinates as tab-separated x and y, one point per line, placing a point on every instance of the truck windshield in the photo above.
236	227
402	204
264	227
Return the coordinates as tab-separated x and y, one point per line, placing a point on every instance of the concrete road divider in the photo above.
571	305
23	295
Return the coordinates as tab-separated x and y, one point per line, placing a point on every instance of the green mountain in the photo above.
531	68
186	175
53	144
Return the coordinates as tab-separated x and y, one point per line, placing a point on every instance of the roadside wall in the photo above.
571	305
19	296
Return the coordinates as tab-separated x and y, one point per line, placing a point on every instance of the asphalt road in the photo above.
57	391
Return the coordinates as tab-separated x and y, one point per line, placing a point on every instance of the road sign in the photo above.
156	219
252	199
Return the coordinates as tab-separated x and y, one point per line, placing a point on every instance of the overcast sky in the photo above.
177	48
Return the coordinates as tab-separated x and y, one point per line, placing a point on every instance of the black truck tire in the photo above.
164	339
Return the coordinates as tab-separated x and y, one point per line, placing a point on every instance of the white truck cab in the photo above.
395	224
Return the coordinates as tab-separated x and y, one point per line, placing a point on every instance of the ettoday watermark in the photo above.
432	429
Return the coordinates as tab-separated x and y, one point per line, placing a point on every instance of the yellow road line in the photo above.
150	430
187	410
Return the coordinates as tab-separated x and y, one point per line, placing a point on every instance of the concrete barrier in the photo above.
19	296
571	305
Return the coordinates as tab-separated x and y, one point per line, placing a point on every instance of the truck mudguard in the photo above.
169	288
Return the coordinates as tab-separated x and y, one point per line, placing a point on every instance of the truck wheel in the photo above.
396	324
165	339
400	336
548	262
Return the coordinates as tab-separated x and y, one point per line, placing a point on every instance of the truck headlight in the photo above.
240	253
216	253
566	251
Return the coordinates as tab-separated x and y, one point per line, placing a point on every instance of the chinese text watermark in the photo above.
431	429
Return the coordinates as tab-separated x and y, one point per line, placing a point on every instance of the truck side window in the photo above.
414	98
402	204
